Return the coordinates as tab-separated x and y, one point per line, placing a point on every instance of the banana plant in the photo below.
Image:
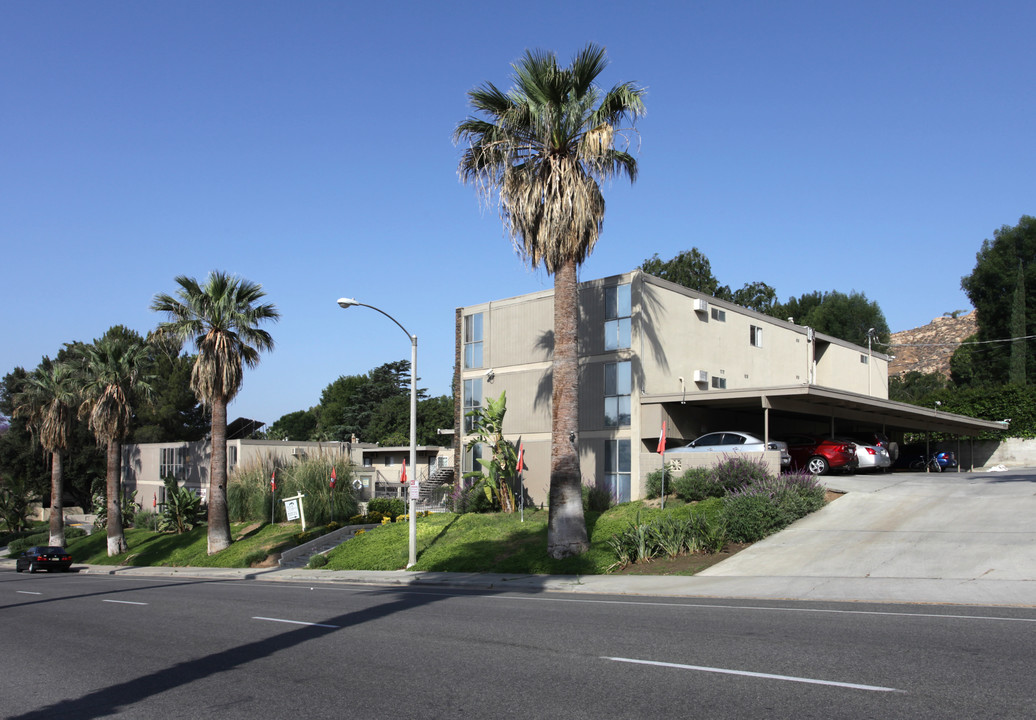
501	468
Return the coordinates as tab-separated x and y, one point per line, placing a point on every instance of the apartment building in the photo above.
654	352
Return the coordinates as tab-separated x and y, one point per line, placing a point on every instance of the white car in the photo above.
733	441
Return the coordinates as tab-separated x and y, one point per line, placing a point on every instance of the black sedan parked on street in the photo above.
44	558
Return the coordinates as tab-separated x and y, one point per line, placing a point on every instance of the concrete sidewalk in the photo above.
948	538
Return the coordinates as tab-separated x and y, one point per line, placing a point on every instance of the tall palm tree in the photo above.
543	148
115	370
222	317
48	401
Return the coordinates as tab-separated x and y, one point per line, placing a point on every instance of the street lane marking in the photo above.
765	676
124	602
294	622
763	608
28	592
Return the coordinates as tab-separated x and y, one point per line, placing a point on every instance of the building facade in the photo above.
650	352
376	470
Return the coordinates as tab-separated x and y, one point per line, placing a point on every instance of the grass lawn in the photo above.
495	543
445	542
189	549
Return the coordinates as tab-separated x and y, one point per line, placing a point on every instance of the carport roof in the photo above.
828	402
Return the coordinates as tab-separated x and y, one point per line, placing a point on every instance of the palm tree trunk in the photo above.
219	520
116	538
57	508
566	528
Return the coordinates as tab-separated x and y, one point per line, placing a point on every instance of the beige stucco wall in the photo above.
673	334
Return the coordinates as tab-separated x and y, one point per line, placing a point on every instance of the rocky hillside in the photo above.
928	348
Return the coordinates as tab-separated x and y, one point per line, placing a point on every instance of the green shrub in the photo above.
387	507
596	498
317	561
708	533
476	500
256	557
749	516
182	507
41	538
249	494
736	471
146	520
17	546
697	484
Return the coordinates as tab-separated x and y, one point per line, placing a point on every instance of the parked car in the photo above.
821	455
731	441
43	558
872	457
876	438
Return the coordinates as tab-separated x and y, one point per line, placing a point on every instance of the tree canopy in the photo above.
1002	288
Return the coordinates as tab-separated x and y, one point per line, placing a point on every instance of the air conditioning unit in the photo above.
701	376
298	451
701	305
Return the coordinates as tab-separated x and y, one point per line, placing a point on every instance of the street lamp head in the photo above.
346	302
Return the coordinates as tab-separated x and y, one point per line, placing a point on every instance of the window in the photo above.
389	461
473	340
171	463
617	384
755	335
472	456
617	468
720	383
617	317
718	315
472	401
231	458
368	461
863	359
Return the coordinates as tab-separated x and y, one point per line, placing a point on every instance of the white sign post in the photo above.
293	509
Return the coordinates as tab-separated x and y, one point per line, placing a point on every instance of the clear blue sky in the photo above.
866	146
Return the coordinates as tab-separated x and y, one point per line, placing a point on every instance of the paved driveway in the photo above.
973	531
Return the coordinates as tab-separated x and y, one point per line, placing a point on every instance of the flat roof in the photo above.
828	402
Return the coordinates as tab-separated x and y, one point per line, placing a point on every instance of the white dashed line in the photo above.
765	676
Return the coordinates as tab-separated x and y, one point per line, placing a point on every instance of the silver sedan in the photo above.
731	441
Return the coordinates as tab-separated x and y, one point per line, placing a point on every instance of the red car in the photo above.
821	455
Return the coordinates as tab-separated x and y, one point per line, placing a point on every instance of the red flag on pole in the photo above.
333	477
402	475
273	480
521	457
154	500
661	441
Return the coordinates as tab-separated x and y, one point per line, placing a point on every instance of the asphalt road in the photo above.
85	646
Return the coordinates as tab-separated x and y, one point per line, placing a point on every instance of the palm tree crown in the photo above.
545	146
222	318
48	401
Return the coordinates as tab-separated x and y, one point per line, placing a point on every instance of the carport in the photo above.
803	409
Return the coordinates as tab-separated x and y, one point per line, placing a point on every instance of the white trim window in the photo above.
755	335
472	401
617	312
617	389
170	463
617	463
718	315
719	383
473	340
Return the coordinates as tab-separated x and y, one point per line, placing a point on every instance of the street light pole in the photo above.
349	302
